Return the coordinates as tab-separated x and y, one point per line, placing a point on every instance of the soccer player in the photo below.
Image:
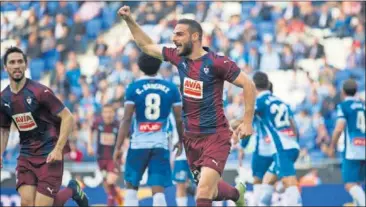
151	99
276	118
44	125
351	121
106	130
207	136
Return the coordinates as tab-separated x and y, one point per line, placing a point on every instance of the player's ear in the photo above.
195	36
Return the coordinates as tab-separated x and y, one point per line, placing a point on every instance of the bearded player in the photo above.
207	135
106	130
44	125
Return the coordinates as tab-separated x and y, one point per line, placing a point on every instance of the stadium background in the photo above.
85	53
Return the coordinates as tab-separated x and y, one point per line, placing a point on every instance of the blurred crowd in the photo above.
266	36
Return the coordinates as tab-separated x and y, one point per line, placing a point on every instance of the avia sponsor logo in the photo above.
359	141
107	139
25	121
193	88
149	126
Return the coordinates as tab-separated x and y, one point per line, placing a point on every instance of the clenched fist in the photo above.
125	12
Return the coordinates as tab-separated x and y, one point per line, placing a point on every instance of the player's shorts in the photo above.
181	171
353	171
208	150
108	166
156	160
260	165
47	177
283	164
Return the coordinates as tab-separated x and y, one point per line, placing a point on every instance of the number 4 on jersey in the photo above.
360	124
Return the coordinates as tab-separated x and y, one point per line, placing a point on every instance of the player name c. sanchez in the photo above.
156	86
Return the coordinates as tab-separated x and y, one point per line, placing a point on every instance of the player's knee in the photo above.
157	189
205	191
27	201
348	186
181	190
289	181
111	179
257	180
130	186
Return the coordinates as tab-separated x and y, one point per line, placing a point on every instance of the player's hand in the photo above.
125	12
242	132
330	151
179	148
90	150
55	155
117	156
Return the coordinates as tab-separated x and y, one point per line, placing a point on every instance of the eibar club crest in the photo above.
29	100
206	70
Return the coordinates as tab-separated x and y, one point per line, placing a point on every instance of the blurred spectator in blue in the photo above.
100	48
237	52
250	33
215	11
281	31
159	11
341	26
59	81
201	11
265	11
324	17
187	7
31	25
299	48
307	131
34	46
316	50
287	58
292	10
355	57
235	28
19	22
73	73
46	23
71	102
120	75
64	9
253	58
270	59
60	26
48	41
359	34
310	17
41	9
65	43
6	28
78	31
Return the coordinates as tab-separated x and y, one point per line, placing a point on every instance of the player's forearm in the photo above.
66	128
335	138
123	132
141	38
249	101
179	123
4	139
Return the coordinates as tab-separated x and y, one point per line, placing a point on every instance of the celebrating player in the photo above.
351	121
106	130
151	98
275	116
207	132
44	125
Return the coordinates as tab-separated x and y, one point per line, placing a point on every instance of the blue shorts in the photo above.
260	165
156	160
181	172
353	171
283	164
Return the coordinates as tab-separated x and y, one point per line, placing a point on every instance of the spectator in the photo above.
73	73
201	11
287	58
359	35
34	46
235	28
316	50
341	27
31	26
250	33
60	26
46	23
100	48
120	75
19	22
58	80
6	28
291	11
64	43
325	19
64	9
48	41
253	58
88	10
270	60
354	59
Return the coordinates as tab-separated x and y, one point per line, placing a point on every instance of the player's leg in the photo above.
352	173
287	172
180	175
113	196
136	163
159	175
27	195
211	187
267	189
260	165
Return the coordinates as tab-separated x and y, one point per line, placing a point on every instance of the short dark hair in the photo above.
350	87
148	64
14	50
107	105
261	80
270	86
194	26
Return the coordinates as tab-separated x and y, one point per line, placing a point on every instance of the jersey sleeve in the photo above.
227	69
5	119
340	112
49	100
171	55
130	95
176	96
259	107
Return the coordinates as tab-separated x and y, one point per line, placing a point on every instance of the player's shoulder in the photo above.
37	87
6	92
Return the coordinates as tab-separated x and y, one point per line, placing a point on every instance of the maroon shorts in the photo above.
108	166
47	177
211	150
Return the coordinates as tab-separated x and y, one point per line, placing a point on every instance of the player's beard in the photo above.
187	49
17	79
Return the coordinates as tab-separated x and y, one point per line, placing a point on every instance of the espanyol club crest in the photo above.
206	70
29	100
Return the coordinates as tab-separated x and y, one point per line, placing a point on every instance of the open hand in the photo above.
55	155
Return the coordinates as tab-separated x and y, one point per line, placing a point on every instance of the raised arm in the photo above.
142	39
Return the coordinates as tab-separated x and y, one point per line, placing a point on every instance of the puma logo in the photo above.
225	61
50	190
216	163
5	104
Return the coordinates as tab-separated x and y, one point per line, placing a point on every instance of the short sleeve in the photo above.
130	95
50	101
340	112
171	55
227	69
259	107
176	96
5	119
